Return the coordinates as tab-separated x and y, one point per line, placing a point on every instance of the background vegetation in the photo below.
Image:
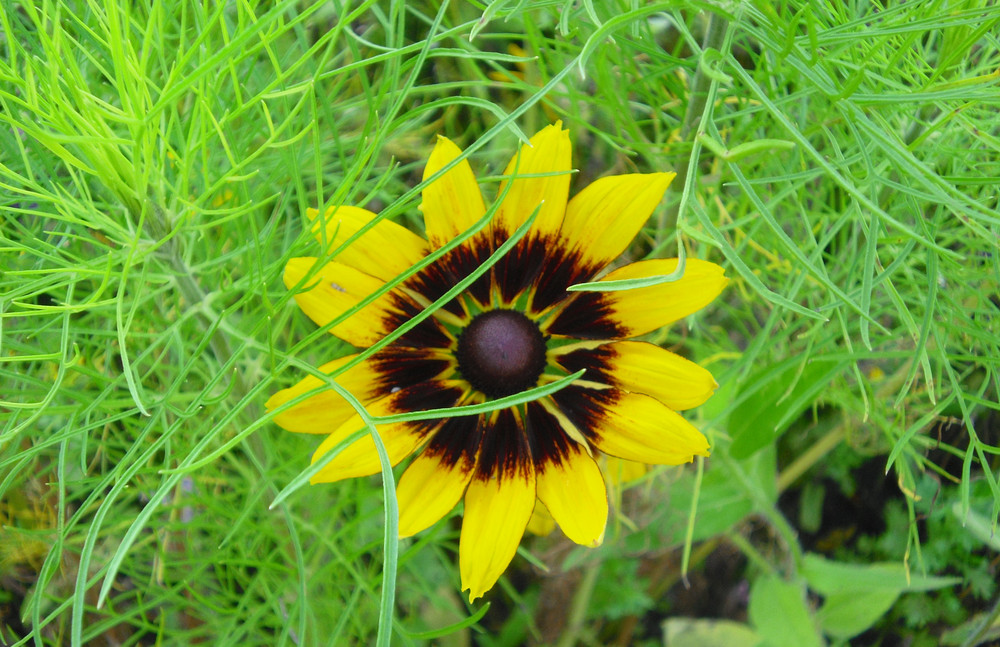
841	159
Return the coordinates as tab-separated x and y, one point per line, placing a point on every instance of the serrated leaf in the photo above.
623	593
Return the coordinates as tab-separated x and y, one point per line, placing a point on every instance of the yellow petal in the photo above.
620	472
428	490
550	152
573	491
628	313
452	203
603	219
646	309
641	367
541	522
496	513
632	426
361	458
400	439
326	411
384	251
337	288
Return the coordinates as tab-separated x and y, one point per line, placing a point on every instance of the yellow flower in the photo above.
515	328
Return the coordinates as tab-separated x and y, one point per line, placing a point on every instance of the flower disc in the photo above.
501	352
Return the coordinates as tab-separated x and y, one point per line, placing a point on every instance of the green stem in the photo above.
810	457
581	602
714	36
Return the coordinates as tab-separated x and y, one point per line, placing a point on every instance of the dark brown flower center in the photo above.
501	352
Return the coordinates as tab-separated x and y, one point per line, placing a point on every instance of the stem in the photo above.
581	602
810	457
714	36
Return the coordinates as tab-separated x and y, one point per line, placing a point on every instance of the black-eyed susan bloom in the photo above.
516	327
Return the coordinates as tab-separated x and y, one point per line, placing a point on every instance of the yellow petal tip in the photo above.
272	403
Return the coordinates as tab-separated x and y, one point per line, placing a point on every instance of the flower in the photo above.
514	328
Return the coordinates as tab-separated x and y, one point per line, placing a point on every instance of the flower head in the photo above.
516	327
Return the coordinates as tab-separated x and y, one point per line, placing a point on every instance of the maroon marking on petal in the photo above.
427	334
549	442
504	447
436	279
562	269
457	441
425	396
516	271
544	265
400	368
596	361
587	316
503	451
421	397
541	264
586	408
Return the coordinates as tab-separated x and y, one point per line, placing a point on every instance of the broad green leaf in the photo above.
830	578
848	613
774	400
779	611
697	632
